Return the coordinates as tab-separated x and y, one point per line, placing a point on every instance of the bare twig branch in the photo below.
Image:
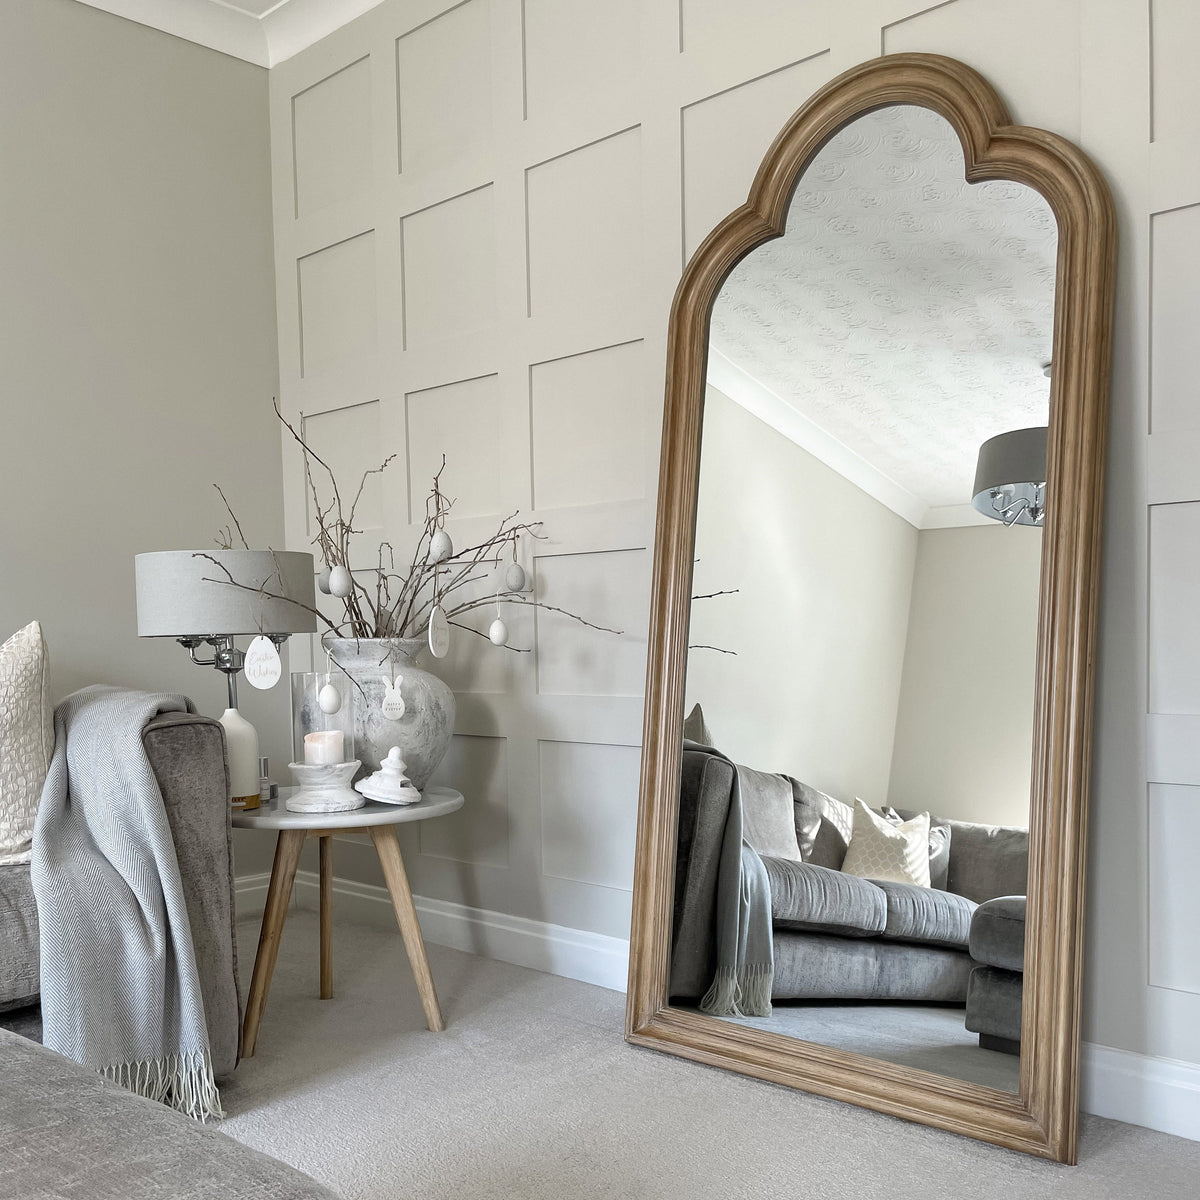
233	517
718	649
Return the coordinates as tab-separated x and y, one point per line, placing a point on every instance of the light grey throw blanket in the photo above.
120	992
745	951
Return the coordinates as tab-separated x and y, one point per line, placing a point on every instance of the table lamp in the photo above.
211	597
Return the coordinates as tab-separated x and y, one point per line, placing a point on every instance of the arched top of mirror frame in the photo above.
1043	1118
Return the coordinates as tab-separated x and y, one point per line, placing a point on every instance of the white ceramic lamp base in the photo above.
241	751
324	787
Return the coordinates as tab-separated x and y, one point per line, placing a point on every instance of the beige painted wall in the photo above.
137	335
642	124
964	730
819	621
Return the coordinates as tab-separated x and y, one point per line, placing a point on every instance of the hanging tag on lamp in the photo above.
262	666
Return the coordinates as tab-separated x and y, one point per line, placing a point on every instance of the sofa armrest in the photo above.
998	933
704	786
187	754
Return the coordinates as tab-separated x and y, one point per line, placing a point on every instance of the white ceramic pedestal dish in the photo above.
389	784
324	787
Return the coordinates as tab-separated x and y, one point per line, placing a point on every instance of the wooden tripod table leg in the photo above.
384	837
283	872
326	846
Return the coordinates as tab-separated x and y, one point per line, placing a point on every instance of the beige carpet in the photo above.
532	1092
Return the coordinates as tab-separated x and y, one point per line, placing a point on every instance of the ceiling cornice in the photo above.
281	32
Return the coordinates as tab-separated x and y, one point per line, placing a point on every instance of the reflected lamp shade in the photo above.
179	593
1010	478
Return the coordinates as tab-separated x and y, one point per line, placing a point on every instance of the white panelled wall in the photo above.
481	213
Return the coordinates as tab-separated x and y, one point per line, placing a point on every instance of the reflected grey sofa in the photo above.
836	936
187	753
997	945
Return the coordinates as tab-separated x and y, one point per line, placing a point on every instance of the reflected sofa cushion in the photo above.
926	915
998	933
823	826
880	850
26	738
695	728
988	860
767	814
939	843
817	899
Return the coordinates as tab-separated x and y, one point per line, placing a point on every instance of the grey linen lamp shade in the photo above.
177	595
1014	462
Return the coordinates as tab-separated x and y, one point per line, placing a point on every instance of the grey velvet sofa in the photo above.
187	753
836	936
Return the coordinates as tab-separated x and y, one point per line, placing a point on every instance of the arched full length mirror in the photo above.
860	856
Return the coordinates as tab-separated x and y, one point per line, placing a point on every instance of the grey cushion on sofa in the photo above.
820	900
68	1133
988	860
820	966
767	813
19	969
926	915
998	933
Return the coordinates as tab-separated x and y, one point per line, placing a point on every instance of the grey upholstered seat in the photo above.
998	933
819	900
926	915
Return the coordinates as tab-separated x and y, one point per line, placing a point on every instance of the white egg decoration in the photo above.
323	580
440	547
341	583
514	577
329	699
498	633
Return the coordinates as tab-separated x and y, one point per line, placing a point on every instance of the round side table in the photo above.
295	828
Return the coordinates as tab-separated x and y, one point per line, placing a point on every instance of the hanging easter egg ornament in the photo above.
329	699
341	582
498	633
323	580
439	632
262	665
393	703
440	547
515	579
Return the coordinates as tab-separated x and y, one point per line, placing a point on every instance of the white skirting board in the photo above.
1155	1092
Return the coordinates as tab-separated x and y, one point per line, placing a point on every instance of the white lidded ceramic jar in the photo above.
424	730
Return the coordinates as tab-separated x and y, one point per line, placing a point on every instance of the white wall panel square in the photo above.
609	588
338	318
578	49
1027	49
1175	82
584	213
589	811
1174	649
589	427
331	138
716	28
449	256
478	832
444	80
1174	318
465	422
349	440
473	663
1174	851
725	137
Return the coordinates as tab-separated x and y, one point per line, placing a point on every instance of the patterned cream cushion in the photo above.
880	849
26	738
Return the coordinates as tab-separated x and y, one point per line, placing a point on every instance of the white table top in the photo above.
434	802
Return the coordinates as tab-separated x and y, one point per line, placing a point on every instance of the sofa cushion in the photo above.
19	965
988	860
926	915
998	933
768	821
880	850
26	738
823	901
695	728
939	843
823	826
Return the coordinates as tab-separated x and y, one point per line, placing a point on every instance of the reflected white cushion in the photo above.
26	738
880	849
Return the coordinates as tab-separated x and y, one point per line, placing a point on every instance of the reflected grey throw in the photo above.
745	956
120	992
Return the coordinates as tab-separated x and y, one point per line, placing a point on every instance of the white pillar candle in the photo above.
324	746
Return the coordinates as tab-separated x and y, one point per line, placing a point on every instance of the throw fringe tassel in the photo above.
180	1081
745	993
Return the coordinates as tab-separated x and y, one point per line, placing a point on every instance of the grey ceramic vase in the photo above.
423	733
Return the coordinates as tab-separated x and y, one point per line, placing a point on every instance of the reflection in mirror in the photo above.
863	633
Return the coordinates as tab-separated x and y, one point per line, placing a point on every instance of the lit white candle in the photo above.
324	746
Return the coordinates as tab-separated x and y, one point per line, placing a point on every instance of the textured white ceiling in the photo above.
905	312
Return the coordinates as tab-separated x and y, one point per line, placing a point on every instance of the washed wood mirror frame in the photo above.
1026	172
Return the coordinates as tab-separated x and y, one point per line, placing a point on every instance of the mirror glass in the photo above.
860	677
